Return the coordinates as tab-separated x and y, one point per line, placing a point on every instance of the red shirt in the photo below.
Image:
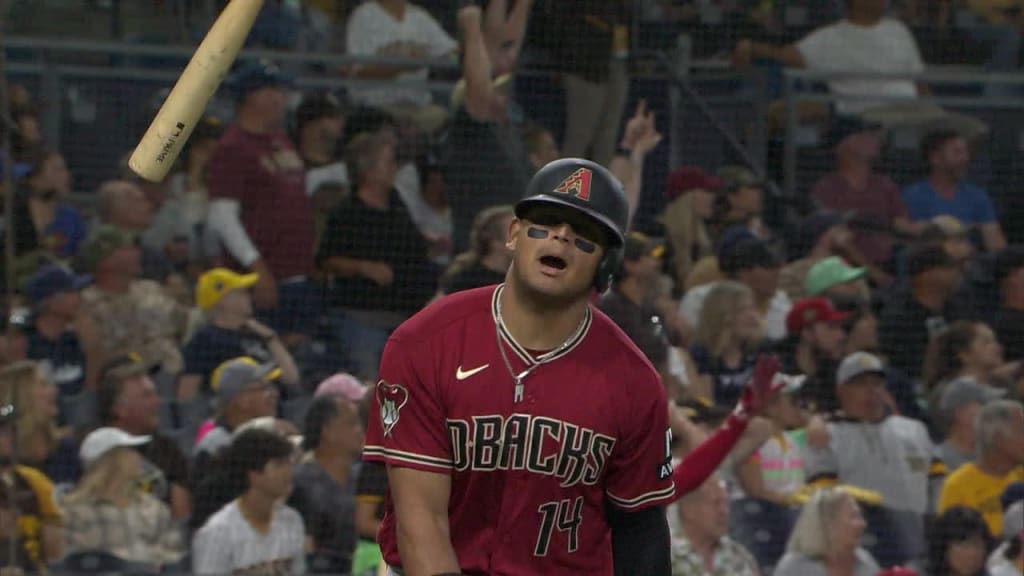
264	173
880	200
530	480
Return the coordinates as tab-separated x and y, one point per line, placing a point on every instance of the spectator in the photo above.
964	350
726	343
956	544
255	533
921	308
399	29
40	443
128	401
946	191
325	482
108	513
1006	560
978	484
488	258
121	311
123	205
832	277
42	216
31	521
867	42
540	145
740	200
53	293
319	124
998	29
245	392
956	412
230	332
380	278
819	236
826	538
770	478
591	52
689	195
427	202
855	187
703	547
188	197
1008	273
487	162
630	304
871	448
342	384
259	209
750	260
814	345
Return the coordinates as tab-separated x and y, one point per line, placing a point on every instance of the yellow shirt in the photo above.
972	488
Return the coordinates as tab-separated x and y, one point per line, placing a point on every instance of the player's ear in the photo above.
513	232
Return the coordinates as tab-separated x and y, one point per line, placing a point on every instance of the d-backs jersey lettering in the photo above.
530	479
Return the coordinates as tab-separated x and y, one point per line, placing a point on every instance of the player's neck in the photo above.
539	328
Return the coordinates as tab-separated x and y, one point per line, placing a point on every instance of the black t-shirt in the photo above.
372	485
355	230
163	453
475	276
328	510
212	345
905	327
1009	326
63	357
641	324
487	165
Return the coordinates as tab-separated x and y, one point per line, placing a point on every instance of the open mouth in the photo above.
553	262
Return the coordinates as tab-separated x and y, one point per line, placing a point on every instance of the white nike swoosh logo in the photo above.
460	375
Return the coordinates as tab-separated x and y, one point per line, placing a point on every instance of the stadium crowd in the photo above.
187	368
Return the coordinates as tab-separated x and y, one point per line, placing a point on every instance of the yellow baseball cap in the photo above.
213	285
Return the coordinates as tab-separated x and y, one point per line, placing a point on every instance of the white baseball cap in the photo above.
103	440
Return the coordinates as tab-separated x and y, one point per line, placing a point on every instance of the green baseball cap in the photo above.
830	272
102	242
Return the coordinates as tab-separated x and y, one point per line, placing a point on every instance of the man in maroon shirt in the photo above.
259	209
854	186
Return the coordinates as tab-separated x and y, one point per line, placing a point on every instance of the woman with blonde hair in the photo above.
690	195
41	444
109	512
726	343
826	539
488	257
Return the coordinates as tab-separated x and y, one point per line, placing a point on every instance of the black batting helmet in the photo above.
590	188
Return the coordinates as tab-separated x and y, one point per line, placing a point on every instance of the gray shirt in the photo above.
951	456
328	510
796	564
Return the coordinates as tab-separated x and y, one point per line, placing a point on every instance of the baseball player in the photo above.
523	432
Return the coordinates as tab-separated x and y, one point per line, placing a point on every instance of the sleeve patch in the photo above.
392	398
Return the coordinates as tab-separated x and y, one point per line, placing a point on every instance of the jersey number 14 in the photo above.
564	515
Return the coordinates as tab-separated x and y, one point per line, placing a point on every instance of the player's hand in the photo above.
762	387
743	55
380	272
640	134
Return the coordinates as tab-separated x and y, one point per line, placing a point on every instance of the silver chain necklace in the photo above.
539	361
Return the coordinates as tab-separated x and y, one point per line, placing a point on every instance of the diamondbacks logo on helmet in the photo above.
577	184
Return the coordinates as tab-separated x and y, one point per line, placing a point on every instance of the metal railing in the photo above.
948	87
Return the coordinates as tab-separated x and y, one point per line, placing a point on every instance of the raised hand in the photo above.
764	384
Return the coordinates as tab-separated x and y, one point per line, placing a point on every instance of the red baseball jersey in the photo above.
530	479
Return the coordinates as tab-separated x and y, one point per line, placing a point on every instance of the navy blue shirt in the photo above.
211	346
727	383
63	358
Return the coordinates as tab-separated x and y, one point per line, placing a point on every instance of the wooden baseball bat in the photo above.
173	124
